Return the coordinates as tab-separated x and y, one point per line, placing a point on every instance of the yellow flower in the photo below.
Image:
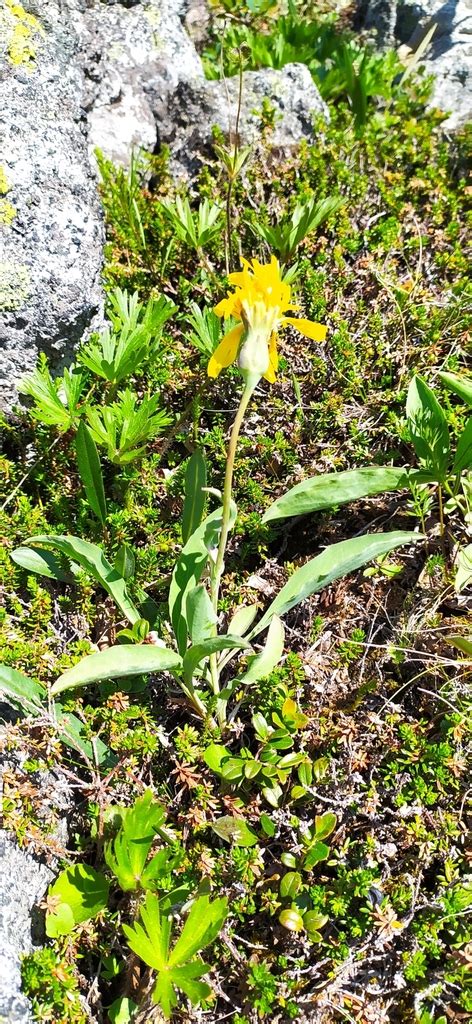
259	302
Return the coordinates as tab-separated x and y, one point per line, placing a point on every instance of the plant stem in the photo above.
227	492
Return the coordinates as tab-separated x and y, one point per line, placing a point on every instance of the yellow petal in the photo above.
274	359
226	351
317	332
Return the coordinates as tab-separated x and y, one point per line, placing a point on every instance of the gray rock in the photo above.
23	882
126	53
185	120
51	230
449	57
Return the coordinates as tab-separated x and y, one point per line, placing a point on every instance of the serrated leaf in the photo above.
81	893
116	662
335	561
127	853
91	558
332	489
90	471
195	496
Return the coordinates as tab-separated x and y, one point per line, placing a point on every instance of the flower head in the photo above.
259	302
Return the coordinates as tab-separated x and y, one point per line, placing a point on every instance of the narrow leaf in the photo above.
24	693
459	385
91	558
195	496
187	572
336	561
263	664
90	471
116	662
201	616
330	489
463	456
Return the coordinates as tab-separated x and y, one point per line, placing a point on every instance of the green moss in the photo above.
14	285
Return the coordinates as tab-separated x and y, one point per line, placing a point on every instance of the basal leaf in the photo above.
91	558
195	496
42	563
116	662
199	652
263	664
200	614
330	489
463	456
335	561
26	694
187	572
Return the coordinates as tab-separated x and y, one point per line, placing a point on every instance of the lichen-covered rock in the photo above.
127	52
23	882
185	120
51	225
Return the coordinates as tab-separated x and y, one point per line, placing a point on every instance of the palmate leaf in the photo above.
428	427
127	853
149	939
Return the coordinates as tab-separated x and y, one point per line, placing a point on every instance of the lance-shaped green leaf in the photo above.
71	732
428	427
201	616
90	471
335	561
264	663
199	652
195	496
26	694
464	569
43	563
460	385
92	560
242	619
330	489
125	562
463	456
117	662
188	571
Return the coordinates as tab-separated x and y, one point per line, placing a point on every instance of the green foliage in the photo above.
78	894
51	986
285	237
56	402
179	967
132	340
90	471
195	231
124	427
127	854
